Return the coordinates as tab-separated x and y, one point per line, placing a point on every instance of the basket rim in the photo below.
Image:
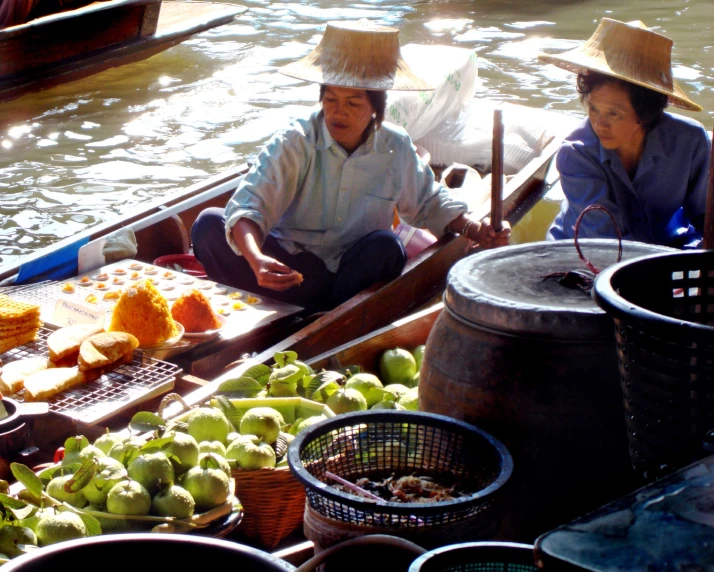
608	299
420	509
492	548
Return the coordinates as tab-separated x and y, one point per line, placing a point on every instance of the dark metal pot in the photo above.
148	551
14	430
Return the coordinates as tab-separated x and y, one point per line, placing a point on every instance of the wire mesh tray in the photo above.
112	393
45	295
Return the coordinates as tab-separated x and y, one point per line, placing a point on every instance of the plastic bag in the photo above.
466	137
419	112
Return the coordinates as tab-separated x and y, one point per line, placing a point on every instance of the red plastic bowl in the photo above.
185	263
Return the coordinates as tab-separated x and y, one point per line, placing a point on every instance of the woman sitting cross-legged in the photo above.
311	222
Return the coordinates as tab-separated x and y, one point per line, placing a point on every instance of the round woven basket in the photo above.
273	504
379	444
663	311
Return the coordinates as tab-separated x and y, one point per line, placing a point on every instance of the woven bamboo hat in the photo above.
630	52
359	54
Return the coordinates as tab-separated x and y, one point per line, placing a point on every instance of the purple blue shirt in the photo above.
671	175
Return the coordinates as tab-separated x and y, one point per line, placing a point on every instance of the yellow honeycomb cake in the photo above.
143	312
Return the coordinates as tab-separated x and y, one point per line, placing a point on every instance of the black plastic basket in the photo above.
663	308
477	557
377	444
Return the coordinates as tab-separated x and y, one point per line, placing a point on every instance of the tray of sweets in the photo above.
240	311
141	379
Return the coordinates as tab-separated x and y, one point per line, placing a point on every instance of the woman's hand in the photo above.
273	274
269	273
487	237
481	234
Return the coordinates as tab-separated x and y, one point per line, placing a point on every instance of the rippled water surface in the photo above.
80	154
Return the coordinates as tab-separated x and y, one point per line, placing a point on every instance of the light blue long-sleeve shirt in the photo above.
672	173
310	194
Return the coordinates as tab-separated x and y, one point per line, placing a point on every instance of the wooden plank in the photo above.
150	20
366	350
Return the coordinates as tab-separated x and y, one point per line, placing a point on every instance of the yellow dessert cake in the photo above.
142	311
193	310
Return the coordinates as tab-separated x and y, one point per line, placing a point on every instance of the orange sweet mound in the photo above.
143	312
193	310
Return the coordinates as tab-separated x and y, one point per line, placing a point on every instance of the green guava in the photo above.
366	383
185	448
251	456
265	422
59	527
90	451
410	400
346	400
309	422
418	353
209	487
106	441
109	473
213	447
129	497
415	380
388	404
55	488
219	460
13	538
283	381
208	424
173	501
397	366
152	470
124	450
396	389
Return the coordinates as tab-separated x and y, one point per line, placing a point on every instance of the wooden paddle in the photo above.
497	171
708	242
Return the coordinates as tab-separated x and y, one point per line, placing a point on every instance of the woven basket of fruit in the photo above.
274	502
255	446
399	471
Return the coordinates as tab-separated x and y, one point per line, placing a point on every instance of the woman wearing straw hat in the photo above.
647	167
316	208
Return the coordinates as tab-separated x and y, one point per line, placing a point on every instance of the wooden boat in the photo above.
161	228
71	45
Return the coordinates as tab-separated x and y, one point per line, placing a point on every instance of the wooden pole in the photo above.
708	242
497	171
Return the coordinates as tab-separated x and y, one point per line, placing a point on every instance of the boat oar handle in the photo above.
497	171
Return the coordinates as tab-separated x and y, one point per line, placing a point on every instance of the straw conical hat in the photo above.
629	52
359	54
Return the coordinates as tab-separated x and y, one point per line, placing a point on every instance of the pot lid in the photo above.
506	288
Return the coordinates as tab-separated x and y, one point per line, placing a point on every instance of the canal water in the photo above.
81	154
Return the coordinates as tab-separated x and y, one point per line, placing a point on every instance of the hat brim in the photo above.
578	62
404	79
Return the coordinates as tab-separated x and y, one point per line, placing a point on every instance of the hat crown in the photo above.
632	47
629	52
360	55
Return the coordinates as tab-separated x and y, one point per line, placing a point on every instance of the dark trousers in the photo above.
377	257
